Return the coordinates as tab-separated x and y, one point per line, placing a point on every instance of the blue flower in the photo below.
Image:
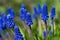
17	34
11	12
23	13
35	12
51	32
23	6
1	24
28	19
39	9
10	22
44	14
9	9
4	19
53	12
44	33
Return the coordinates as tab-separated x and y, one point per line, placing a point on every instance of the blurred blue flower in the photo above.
23	6
39	9
35	12
44	14
9	9
51	32
23	13
1	24
4	19
11	12
28	19
53	12
17	34
44	33
10	22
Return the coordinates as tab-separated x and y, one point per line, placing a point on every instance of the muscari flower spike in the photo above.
39	8
17	34
51	32
44	33
35	12
44	14
28	19
23	13
53	12
23	6
4	19
10	22
11	12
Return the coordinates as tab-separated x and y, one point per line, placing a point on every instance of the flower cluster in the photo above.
7	22
17	34
25	15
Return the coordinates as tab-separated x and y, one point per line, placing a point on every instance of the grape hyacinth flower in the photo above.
53	12
39	9
10	22
23	13
51	32
4	18
23	6
1	24
11	12
35	12
52	15
44	14
28	19
17	33
44	33
44	17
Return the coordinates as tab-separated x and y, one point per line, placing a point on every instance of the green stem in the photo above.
46	30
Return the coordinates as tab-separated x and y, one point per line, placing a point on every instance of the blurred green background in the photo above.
16	4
